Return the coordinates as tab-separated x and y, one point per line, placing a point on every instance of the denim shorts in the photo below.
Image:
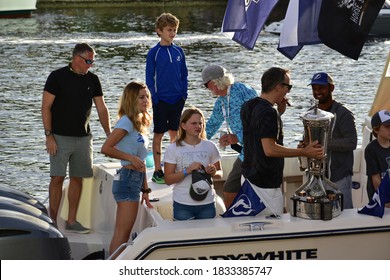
182	212
127	185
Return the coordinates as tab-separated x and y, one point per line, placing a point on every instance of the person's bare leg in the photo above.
172	135
74	194
157	141
126	215
55	196
228	198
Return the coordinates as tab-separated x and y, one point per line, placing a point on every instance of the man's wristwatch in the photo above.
47	132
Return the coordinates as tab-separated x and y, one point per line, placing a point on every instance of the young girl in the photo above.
377	152
191	151
128	142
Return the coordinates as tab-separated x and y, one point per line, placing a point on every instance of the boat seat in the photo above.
165	208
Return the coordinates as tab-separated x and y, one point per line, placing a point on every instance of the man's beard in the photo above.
325	99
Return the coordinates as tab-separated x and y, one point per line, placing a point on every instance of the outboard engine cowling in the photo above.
18	195
7	203
24	237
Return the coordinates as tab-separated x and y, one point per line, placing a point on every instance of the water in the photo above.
31	48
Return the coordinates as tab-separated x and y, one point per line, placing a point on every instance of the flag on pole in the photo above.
299	27
376	205
247	23
246	203
344	25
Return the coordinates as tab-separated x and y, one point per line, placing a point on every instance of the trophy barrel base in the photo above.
324	208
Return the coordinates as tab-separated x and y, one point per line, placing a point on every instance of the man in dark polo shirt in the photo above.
66	109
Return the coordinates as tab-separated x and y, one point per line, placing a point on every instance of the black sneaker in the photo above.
158	177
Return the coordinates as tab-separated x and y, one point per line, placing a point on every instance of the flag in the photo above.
235	16
376	205
246	203
247	23
299	27
344	25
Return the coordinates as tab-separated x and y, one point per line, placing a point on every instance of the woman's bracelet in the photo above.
148	190
185	171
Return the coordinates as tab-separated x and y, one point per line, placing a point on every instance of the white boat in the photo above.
156	236
17	8
274	27
381	26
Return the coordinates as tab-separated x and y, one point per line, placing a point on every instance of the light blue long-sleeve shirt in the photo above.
232	102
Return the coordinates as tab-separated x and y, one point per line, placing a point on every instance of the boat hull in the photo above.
381	26
344	245
156	236
287	238
14	9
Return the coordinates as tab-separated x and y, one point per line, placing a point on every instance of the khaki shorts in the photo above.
77	151
233	181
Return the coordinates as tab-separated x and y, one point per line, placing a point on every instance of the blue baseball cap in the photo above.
321	78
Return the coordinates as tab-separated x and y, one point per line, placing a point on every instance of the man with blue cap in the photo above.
342	138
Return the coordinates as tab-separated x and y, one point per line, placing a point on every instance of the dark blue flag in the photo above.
256	13
299	27
246	203
344	25
376	205
235	16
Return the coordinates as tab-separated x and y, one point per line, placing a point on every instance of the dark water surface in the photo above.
31	48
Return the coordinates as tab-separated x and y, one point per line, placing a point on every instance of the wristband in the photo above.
185	171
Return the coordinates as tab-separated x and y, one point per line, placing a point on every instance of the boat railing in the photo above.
119	249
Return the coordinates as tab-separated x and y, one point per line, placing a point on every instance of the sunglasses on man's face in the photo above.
88	61
289	87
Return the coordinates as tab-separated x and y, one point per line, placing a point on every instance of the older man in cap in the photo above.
342	138
231	95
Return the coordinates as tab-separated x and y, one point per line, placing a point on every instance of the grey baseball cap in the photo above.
212	72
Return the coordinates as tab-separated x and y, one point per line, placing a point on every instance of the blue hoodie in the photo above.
166	74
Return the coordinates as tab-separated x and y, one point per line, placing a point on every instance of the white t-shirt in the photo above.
206	152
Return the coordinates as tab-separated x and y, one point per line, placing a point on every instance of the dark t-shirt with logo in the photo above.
72	105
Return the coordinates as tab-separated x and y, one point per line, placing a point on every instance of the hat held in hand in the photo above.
201	184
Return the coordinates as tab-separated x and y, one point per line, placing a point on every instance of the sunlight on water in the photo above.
31	48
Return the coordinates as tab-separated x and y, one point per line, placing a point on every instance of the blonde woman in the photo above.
128	142
191	152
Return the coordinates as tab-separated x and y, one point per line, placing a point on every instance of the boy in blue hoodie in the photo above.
167	80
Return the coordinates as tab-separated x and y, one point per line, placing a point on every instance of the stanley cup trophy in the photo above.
318	198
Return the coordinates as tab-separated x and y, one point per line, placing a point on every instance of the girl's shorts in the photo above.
127	185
